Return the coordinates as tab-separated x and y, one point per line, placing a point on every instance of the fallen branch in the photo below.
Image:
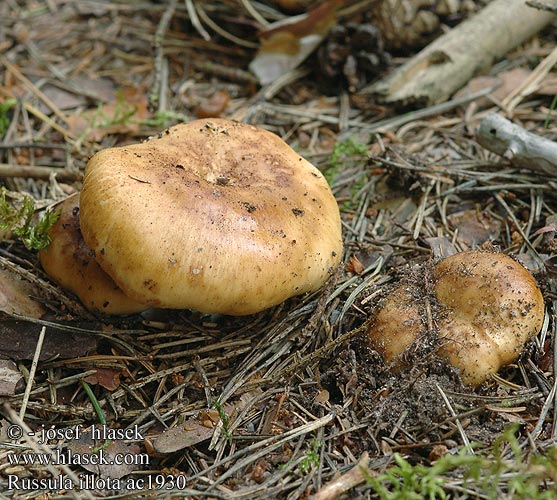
522	148
449	62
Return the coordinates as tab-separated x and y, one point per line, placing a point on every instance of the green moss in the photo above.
500	472
342	150
20	222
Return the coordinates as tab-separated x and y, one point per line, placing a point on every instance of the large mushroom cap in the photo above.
69	262
213	215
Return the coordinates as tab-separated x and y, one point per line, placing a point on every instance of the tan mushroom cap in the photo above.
213	215
490	307
69	262
494	307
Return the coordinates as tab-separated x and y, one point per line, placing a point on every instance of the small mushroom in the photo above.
69	262
213	215
490	306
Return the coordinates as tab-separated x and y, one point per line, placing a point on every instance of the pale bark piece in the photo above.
522	148
449	62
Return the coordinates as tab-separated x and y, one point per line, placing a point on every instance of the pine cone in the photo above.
411	24
352	52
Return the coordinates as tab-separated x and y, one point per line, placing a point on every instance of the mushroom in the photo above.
69	262
213	215
490	307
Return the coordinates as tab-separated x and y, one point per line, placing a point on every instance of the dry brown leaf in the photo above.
105	377
354	265
122	116
19	341
192	431
504	83
10	377
199	428
285	44
15	296
214	106
322	396
86	445
474	228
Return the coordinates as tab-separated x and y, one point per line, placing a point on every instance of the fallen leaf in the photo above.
474	228
504	83
354	265
198	428
19	341
86	445
286	43
61	98
105	377
322	396
189	433
10	377
101	89
15	296
122	116
214	106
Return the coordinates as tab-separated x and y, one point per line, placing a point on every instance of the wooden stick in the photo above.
344	483
522	148
29	171
449	62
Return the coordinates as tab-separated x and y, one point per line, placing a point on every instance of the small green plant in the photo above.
122	114
20	221
487	473
224	419
311	458
163	119
4	119
98	411
341	151
552	107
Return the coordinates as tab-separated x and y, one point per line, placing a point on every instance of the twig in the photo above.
549	402
355	476
33	88
225	34
44	449
254	13
522	148
267	445
154	97
524	236
34	364
33	172
463	435
196	23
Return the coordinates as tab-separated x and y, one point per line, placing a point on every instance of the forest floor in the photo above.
291	402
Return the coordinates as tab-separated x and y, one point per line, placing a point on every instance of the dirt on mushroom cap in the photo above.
213	215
